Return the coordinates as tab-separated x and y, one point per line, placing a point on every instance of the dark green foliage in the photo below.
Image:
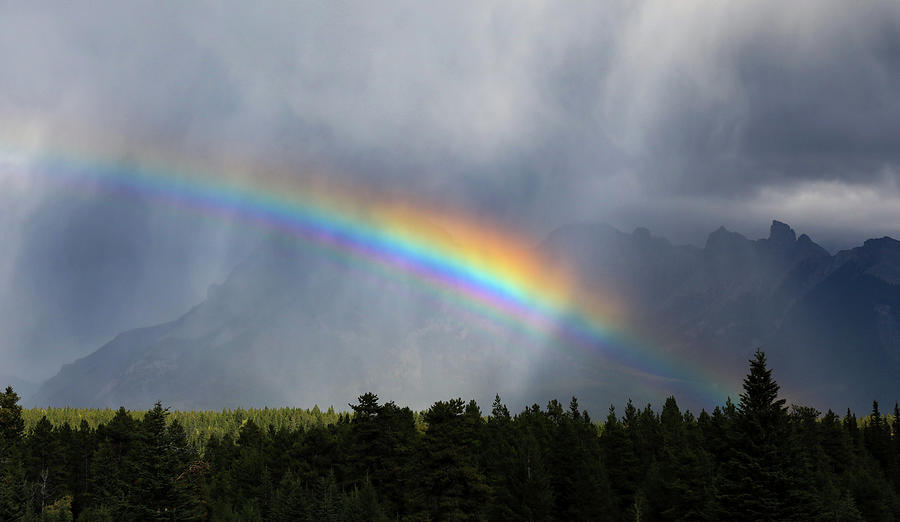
45	465
452	485
621	460
112	466
577	477
166	486
380	451
13	486
290	501
515	461
13	490
12	425
680	485
362	505
755	460
755	478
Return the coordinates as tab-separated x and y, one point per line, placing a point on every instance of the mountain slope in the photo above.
830	323
291	326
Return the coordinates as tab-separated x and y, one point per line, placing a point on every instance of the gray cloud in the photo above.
786	93
679	116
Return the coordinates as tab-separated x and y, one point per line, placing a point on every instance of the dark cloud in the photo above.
677	116
758	94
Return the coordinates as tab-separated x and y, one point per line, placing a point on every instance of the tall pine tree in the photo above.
12	472
755	478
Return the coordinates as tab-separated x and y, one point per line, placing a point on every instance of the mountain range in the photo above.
291	325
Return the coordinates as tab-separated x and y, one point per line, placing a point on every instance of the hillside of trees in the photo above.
198	426
755	460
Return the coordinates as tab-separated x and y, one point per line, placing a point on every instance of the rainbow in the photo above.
493	271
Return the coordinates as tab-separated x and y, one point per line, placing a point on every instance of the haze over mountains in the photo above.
671	115
293	326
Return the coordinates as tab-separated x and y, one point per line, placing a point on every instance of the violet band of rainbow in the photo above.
519	297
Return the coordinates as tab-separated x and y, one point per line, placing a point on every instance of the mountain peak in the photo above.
781	233
641	233
722	238
882	243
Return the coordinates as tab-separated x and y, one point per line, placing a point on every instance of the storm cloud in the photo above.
678	116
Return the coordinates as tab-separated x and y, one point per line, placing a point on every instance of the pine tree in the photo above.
182	462
381	444
754	477
453	484
12	426
499	411
290	500
800	461
66	461
579	481
835	442
877	438
680	487
361	505
498	460
895	427
13	491
113	466
326	500
84	444
43	464
13	487
620	459
851	427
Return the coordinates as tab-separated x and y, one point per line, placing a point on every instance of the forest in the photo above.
758	459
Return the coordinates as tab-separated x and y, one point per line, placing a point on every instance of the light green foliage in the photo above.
198	425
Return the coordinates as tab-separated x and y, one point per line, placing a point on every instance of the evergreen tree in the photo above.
837	452
755	478
13	487
290	501
113	466
517	465
12	426
801	459
381	447
452	484
326	500
851	426
621	460
895	428
754	460
182	462
13	490
680	486
578	479
361	505
66	461
44	465
877	439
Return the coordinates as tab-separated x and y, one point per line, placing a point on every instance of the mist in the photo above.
679	117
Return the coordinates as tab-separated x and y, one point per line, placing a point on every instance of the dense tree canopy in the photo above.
756	460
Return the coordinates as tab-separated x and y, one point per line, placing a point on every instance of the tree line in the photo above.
198	425
754	460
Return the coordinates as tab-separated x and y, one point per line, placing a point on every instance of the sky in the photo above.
675	116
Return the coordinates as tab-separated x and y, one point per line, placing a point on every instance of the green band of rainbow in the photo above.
514	293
